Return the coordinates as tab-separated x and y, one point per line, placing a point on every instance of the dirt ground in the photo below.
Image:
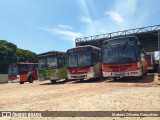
89	95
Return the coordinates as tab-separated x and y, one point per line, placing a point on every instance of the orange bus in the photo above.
123	57
84	62
22	72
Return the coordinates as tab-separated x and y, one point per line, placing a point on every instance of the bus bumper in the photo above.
80	76
122	74
14	79
49	78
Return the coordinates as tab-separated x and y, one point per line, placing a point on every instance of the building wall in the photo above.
3	78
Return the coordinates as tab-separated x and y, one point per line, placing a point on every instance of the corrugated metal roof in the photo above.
148	36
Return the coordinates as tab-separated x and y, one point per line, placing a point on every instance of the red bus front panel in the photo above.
80	73
120	70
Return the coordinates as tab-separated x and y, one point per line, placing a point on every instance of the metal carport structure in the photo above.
148	36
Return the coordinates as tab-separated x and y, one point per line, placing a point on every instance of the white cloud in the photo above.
65	27
91	26
132	12
63	31
94	27
70	35
84	7
122	12
127	7
86	20
115	16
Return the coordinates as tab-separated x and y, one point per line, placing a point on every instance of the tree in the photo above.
25	55
9	53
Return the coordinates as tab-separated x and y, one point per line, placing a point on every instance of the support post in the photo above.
159	50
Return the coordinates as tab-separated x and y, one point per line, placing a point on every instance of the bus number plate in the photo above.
120	73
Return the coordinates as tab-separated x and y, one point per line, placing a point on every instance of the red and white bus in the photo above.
123	57
22	72
84	62
151	61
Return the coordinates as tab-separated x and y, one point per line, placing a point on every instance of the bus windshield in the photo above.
47	62
42	63
79	59
51	62
120	53
13	70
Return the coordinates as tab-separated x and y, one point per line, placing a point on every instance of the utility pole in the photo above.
159	50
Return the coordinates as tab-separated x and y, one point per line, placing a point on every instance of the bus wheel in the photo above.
66	79
115	79
81	80
53	81
21	82
30	79
101	78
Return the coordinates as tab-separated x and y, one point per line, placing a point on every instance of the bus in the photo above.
51	66
123	57
84	62
151	62
22	72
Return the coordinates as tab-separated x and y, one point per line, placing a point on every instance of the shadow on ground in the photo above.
56	83
74	81
146	79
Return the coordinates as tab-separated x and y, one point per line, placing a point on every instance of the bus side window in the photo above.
61	61
30	68
35	67
23	69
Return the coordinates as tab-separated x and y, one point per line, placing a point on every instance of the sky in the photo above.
45	25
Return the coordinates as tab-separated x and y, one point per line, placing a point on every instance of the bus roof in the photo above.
26	63
127	37
120	38
85	46
50	53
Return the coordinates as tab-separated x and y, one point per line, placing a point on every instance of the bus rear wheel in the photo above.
53	81
81	80
21	82
115	78
66	79
30	79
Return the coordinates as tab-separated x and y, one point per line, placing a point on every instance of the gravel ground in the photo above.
89	95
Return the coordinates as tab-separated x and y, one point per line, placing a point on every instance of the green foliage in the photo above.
25	55
9	53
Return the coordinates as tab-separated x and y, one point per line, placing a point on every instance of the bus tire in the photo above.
100	78
115	79
81	80
30	79
53	81
21	82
